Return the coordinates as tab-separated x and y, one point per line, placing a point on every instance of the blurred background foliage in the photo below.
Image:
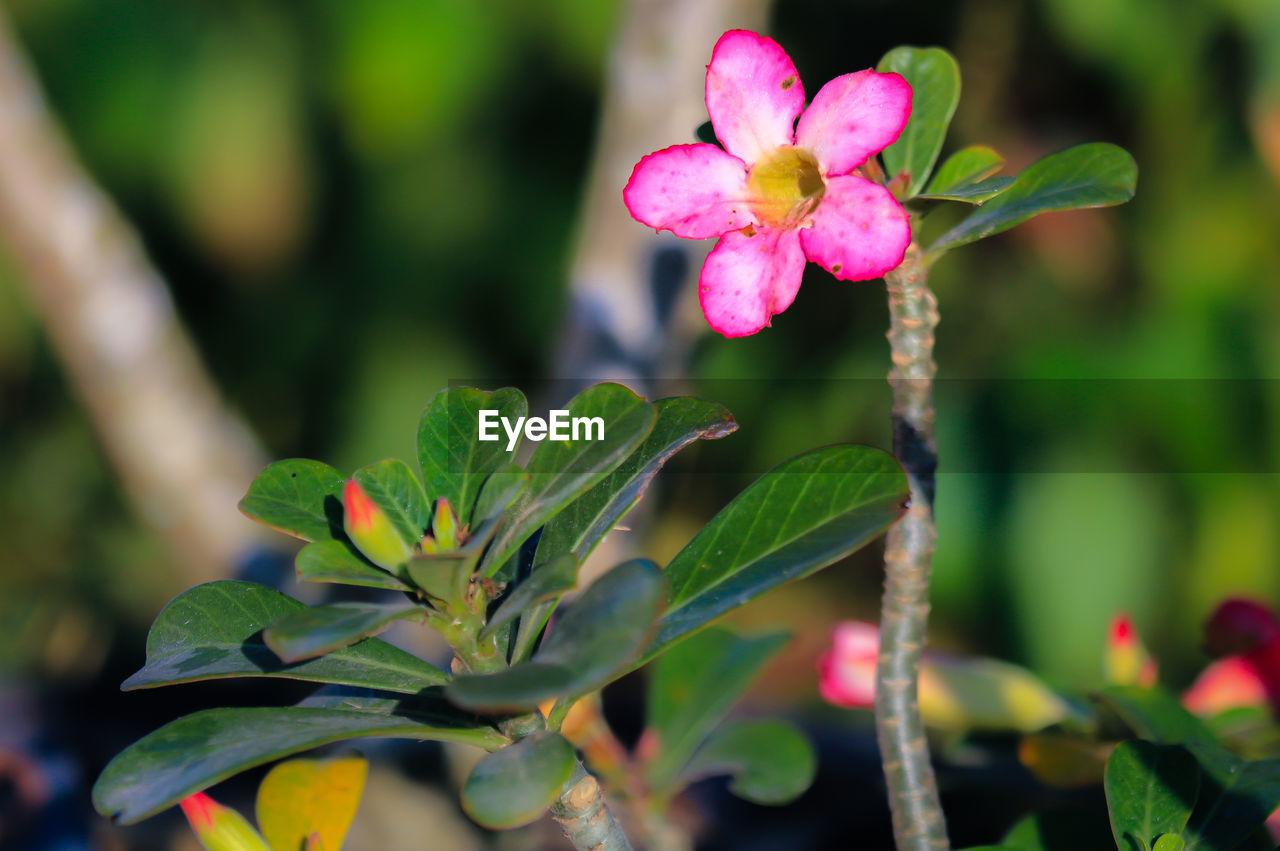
356	202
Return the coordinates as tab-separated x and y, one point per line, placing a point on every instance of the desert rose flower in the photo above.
956	692
780	191
1247	635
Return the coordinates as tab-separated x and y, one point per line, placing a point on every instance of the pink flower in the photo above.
777	195
1126	660
847	672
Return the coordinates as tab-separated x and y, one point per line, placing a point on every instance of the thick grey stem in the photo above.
185	458
918	823
585	818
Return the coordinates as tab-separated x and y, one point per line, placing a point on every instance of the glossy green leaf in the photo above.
562	470
393	487
512	787
298	497
803	515
680	421
965	166
1151	790
1236	796
600	635
455	462
546	582
1093	175
214	631
316	630
335	561
971	193
199	750
691	689
935	91
498	491
771	761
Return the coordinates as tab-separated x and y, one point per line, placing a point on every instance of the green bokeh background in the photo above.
355	202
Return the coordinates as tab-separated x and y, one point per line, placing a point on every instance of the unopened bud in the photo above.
444	525
220	828
371	530
1126	661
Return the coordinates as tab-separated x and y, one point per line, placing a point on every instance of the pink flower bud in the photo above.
444	525
371	530
1127	661
220	828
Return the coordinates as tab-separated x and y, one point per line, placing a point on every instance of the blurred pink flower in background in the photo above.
780	191
1246	635
1127	661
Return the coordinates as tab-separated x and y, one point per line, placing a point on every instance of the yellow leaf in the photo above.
309	803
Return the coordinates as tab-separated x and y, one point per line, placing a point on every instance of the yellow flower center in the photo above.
785	186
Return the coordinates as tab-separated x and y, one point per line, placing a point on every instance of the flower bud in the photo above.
371	530
1126	661
444	525
220	828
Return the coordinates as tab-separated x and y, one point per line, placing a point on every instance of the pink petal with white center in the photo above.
694	191
753	94
853	117
748	279
859	231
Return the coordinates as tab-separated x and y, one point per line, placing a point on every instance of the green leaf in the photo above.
561	470
1235	796
499	491
971	193
692	688
334	561
298	497
199	750
1093	175
965	166
600	635
1151	790
447	575
935	91
680	421
803	515
512	787
317	630
455	462
547	582
393	487
214	631
771	761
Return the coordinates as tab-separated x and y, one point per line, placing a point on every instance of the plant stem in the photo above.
585	818
918	823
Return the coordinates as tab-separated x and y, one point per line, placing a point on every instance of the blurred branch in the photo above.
626	281
184	457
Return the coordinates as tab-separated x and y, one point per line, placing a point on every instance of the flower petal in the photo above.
748	279
859	231
694	191
753	94
853	117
